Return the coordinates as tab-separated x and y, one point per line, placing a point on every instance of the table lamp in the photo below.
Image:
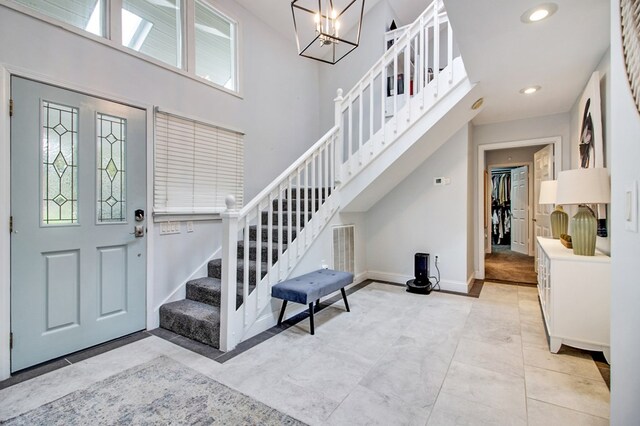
584	187
559	218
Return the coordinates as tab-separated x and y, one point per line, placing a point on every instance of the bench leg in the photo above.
311	317
317	304
344	297
284	307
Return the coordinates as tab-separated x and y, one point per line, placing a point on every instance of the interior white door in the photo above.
543	170
78	173
520	210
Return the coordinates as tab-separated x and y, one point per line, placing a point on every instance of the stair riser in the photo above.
285	218
209	296
190	327
297	204
264	252
297	194
215	271
253	234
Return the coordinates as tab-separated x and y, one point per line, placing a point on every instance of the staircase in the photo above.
198	316
394	118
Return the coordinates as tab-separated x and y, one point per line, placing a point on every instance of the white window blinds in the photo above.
196	166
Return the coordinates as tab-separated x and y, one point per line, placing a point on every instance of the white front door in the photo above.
543	170
520	210
78	174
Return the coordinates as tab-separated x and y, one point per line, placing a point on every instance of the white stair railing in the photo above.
398	90
415	72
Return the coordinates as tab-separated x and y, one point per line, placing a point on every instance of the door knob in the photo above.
138	231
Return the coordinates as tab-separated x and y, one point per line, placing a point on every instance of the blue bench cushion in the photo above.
310	287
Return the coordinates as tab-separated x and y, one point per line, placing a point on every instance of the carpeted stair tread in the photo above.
215	271
194	320
264	235
207	290
263	249
285	218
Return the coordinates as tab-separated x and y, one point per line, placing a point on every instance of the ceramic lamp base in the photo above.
559	222
583	228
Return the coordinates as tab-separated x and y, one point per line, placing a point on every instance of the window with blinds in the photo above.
196	166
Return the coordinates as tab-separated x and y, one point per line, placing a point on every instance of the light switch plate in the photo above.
631	207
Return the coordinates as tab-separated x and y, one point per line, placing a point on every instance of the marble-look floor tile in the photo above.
409	372
450	410
499	356
366	407
533	335
485	387
573	392
569	361
483	326
543	414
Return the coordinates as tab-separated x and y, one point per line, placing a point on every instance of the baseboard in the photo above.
179	292
457	286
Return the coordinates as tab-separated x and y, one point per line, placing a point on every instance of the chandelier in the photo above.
327	30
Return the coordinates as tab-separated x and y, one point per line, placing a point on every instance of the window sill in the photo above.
159	217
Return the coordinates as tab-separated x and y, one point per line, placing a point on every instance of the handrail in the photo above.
288	171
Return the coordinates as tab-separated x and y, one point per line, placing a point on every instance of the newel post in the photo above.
339	153
229	272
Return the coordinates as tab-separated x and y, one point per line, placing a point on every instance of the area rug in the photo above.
161	391
506	265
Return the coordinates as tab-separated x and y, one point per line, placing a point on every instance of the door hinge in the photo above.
10	224
11	340
10	107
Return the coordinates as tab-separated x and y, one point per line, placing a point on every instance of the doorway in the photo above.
509	255
78	249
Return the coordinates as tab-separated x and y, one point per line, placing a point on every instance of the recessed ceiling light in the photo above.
530	90
538	13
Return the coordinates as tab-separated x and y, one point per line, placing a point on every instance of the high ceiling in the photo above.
505	55
502	53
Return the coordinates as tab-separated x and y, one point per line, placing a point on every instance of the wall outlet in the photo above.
190	226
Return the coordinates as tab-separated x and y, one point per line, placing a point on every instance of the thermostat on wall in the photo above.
441	181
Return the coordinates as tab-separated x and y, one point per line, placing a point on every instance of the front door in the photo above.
78	174
520	210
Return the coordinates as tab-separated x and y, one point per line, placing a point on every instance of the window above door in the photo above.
193	38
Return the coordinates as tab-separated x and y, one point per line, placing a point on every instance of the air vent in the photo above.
343	248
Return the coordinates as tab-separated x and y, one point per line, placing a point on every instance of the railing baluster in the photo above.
313	193
270	239
450	50
395	88
327	175
306	203
246	269
280	226
299	199
383	100
422	82
350	115
407	78
371	114
289	224
436	48
360	126
339	158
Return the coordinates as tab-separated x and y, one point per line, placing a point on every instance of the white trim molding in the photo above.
479	250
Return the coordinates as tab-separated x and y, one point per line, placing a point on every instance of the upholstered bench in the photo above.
311	287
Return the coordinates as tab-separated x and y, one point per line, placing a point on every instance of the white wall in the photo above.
625	245
516	130
278	111
417	216
604	68
346	73
511	156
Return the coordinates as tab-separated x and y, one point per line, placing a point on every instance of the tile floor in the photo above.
397	358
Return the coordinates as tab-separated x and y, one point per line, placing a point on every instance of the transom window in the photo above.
156	30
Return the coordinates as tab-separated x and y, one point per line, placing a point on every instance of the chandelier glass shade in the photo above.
327	30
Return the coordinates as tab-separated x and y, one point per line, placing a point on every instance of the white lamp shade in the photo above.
548	190
584	186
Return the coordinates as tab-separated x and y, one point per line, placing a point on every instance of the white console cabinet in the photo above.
575	296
